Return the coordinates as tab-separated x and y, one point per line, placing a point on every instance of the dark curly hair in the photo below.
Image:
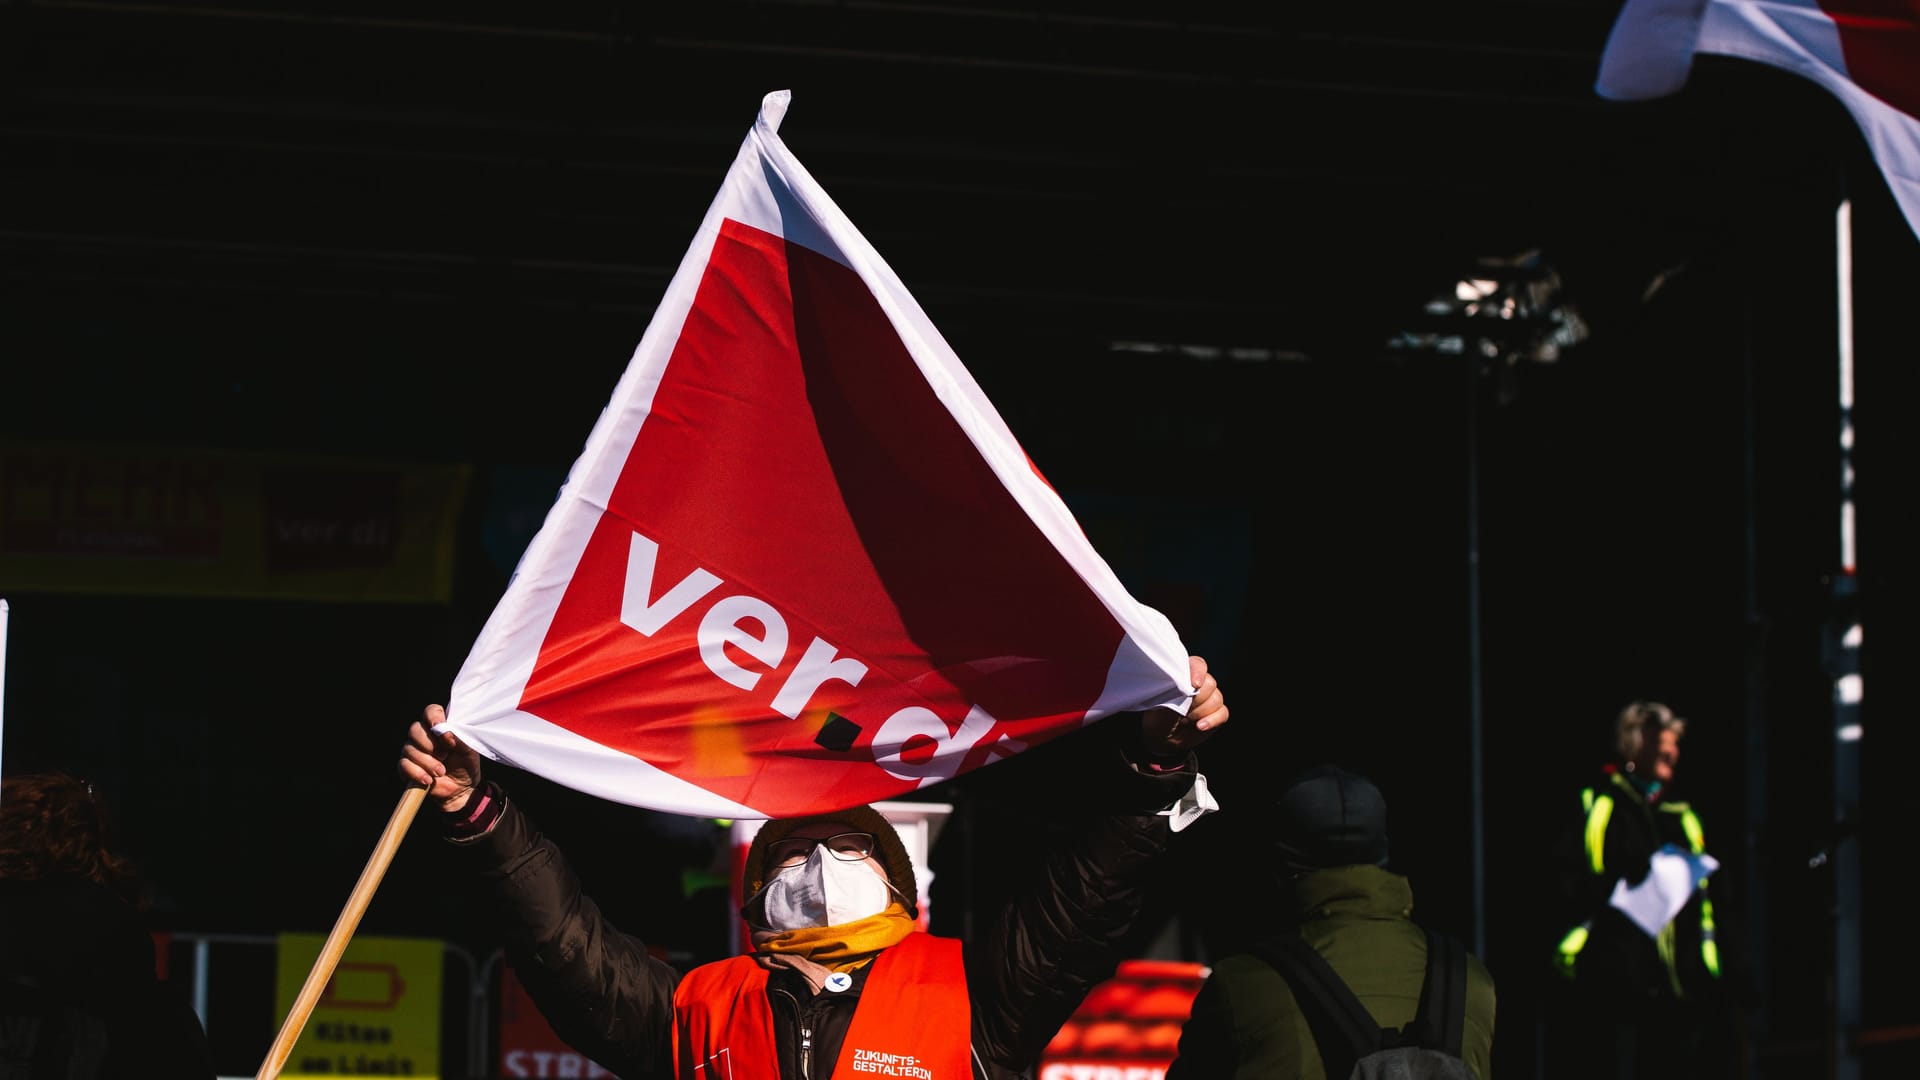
52	825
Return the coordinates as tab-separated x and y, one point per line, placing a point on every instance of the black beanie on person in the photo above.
891	851
1326	817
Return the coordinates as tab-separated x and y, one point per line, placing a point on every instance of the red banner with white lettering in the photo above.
801	564
527	1045
1866	53
1128	1028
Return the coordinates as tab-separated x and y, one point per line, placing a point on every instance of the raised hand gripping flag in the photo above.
1866	53
801	564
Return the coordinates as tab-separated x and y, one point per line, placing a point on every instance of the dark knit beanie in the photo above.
888	848
1327	816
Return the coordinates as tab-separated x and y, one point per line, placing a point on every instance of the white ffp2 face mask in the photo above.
823	891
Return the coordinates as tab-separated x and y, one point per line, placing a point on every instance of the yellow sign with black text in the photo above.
175	521
380	1012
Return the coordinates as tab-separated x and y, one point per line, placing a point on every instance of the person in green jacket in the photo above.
1327	866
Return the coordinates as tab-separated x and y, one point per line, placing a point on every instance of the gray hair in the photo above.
1637	721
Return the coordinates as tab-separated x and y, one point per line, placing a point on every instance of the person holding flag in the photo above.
839	982
803	566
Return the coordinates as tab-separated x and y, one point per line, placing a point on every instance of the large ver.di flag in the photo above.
801	564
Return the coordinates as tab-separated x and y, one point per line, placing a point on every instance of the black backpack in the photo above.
1351	1043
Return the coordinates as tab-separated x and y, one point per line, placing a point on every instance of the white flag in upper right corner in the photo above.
1864	52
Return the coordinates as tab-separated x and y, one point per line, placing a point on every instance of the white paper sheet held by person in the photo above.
1670	882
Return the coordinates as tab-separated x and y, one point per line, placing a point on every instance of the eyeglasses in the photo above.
846	846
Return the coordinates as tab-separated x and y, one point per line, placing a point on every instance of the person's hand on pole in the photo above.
447	768
1166	733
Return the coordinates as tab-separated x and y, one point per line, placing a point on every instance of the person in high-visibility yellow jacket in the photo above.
1638	994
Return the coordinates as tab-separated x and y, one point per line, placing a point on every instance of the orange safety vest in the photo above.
913	1020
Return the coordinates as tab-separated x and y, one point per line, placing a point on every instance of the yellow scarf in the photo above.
835	948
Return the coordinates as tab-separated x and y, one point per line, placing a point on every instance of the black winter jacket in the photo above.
78	993
1035	959
1619	962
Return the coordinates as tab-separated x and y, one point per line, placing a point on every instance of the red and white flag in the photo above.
1864	52
801	564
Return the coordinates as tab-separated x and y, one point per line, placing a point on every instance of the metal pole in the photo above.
1755	685
202	963
3	684
1848	689
1474	763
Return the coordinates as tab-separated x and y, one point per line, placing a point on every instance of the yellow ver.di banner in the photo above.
379	1015
180	521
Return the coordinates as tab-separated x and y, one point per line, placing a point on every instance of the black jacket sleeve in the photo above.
599	988
1080	888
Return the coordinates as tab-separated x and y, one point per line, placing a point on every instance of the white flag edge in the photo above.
1649	54
1150	667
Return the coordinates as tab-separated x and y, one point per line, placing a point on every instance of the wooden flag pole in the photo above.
342	930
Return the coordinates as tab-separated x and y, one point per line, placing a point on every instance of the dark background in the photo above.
394	232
